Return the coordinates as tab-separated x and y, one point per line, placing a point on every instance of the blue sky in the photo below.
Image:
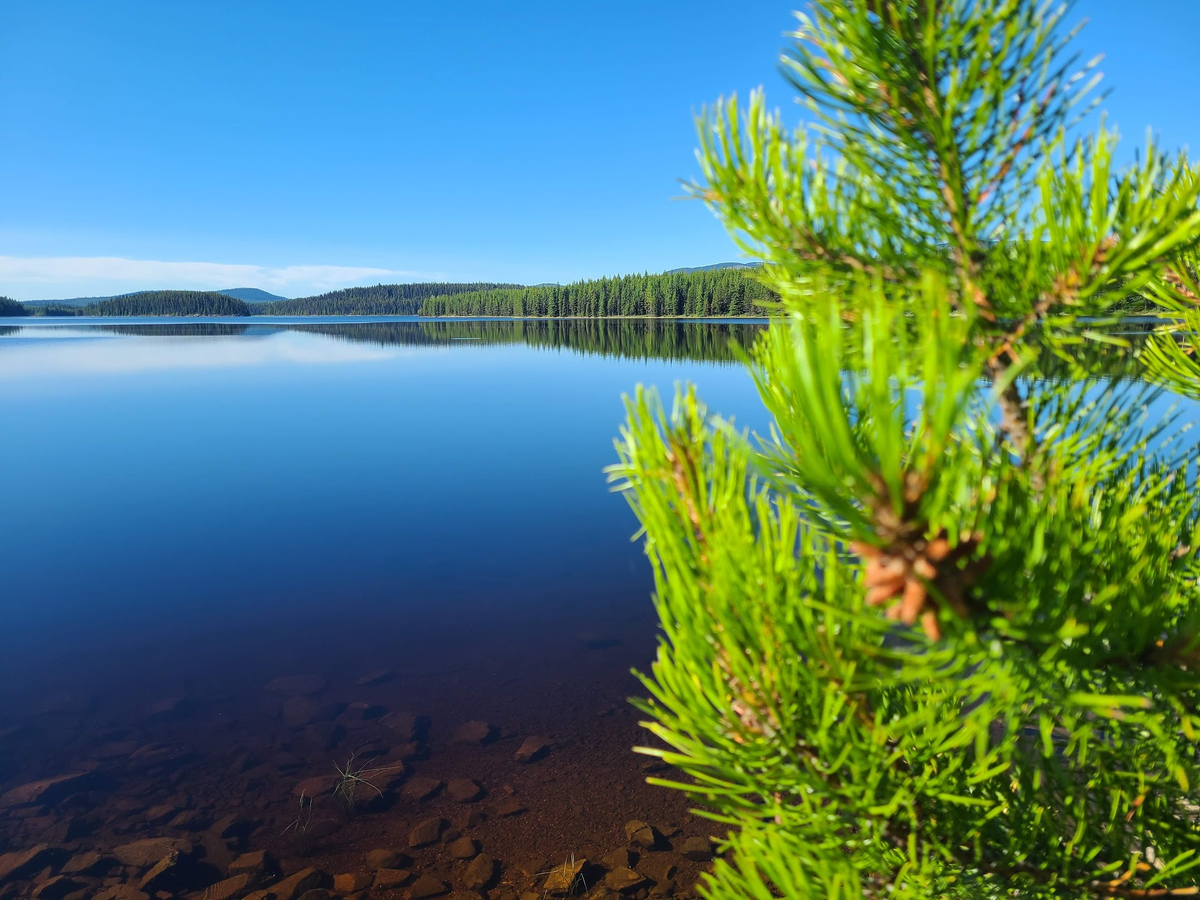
302	146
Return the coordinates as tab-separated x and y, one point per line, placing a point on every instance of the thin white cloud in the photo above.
74	352
38	277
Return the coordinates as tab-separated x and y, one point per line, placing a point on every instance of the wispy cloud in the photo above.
40	277
74	352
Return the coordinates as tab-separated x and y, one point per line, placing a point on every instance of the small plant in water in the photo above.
566	879
350	777
302	824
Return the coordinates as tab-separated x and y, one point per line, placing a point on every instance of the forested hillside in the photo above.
378	300
168	303
11	307
724	292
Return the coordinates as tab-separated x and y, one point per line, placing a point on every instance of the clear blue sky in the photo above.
298	146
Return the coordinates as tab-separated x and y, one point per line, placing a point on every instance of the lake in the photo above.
240	552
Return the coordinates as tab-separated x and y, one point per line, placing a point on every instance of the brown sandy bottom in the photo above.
500	775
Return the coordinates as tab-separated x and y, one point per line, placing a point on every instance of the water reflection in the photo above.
702	341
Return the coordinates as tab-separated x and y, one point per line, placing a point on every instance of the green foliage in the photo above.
167	303
721	292
378	300
10	307
938	633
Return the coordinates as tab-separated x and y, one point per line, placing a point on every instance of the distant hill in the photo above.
149	303
74	301
251	295
714	267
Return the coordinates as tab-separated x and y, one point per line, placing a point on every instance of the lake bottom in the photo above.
385	756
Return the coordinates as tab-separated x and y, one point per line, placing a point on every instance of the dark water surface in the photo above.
191	509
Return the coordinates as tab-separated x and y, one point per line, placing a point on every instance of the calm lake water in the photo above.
409	514
169	478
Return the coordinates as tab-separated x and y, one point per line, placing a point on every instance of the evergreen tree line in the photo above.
151	303
720	292
377	300
169	303
11	307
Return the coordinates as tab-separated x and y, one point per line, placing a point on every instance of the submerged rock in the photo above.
388	878
165	875
20	863
562	878
640	834
620	859
427	886
420	788
47	790
426	833
532	748
697	849
303	881
510	806
229	889
624	879
480	872
90	863
169	709
351	882
149	852
259	865
465	790
386	859
464	848
474	732
378	676
403	725
58	887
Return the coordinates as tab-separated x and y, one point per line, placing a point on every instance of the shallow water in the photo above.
194	508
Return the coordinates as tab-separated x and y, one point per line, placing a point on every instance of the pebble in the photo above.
464	848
